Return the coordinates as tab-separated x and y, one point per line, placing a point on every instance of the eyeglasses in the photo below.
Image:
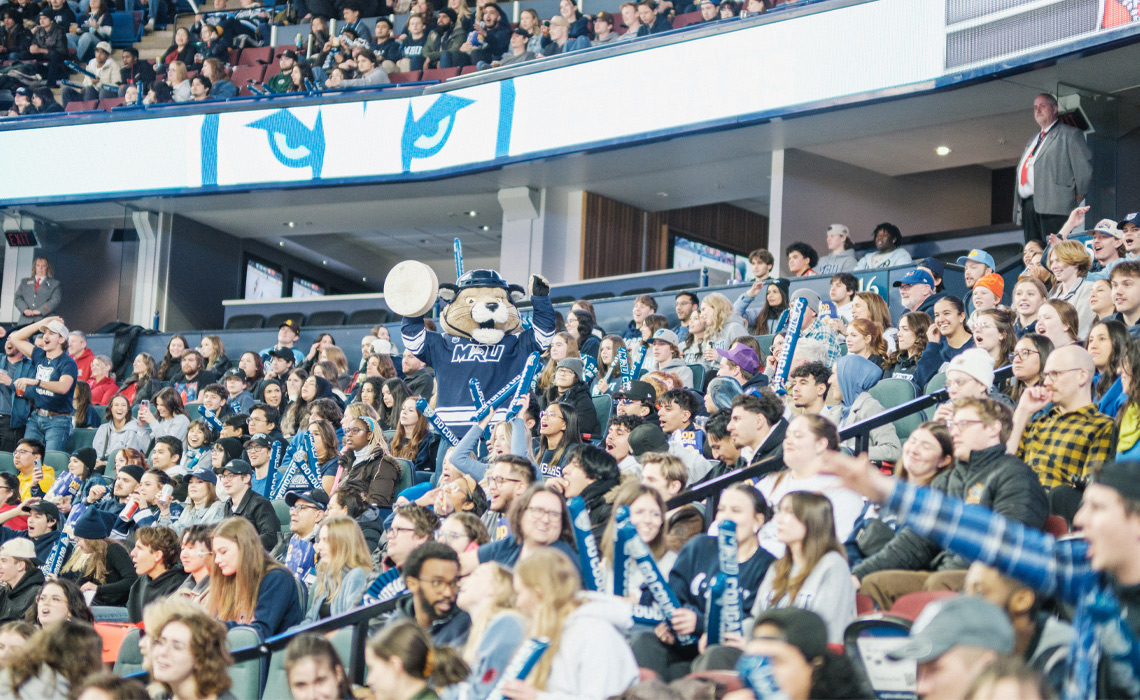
302	506
440	584
393	531
1023	354
544	514
983	325
1053	375
959	382
51	600
441	536
500	480
23	452
962	424
356	431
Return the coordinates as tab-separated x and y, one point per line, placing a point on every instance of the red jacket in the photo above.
83	362
102	391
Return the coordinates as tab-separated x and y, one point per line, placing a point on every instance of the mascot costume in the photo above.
483	336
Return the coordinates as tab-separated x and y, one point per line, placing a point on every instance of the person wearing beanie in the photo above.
445	39
82	467
986	295
569	387
983	474
113	500
970	375
98	564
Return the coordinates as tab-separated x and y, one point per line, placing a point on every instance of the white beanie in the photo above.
977	363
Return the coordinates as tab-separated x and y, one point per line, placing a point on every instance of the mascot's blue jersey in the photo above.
493	365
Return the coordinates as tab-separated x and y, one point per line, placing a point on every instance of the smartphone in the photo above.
144	404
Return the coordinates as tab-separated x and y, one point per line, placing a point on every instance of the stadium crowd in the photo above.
172	518
41	43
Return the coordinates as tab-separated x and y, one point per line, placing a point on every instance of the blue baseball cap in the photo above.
934	265
205	474
1133	218
979	255
916	277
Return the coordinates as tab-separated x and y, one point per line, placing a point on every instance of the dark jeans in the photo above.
1037	227
9	436
668	661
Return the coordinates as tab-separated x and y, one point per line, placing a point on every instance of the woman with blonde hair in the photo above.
497	628
343	566
563	345
178	79
647	513
403	664
1058	321
1070	262
721	327
247	586
588	655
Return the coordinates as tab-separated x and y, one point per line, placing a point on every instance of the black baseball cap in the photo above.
638	391
238	466
316	497
48	508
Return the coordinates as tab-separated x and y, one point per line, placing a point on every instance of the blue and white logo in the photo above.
294	144
426	136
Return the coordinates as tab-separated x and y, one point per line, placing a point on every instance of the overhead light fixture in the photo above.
324	262
484	227
363	279
472	213
662	195
281	243
942	150
291	224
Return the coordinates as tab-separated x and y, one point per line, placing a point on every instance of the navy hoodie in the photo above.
698	564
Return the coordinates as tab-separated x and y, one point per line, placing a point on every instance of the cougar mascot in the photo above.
481	338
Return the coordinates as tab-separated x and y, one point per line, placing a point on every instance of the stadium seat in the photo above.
677	287
245	322
565	299
440	74
638	291
698	376
867	641
327	318
192	410
367	317
408	77
81	105
1056	526
232	56
864	604
6	463
276	320
407	474
594	296
243	74
603	406
686	19
247	675
130	657
895	392
272	69
282	509
936	382
123	30
109	103
468	69
765	342
57	460
80	438
259	56
276	682
910	605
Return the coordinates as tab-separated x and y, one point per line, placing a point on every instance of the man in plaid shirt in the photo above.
1099	574
817	330
1073	435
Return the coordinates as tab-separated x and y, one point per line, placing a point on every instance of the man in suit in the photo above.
1053	175
38	295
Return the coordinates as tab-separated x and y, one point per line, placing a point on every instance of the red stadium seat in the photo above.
646	674
408	77
467	69
109	103
440	74
256	57
1056	526
864	604
81	105
272	69
243	74
910	605
686	19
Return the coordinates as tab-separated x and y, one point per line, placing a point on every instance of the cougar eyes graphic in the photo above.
426	136
294	144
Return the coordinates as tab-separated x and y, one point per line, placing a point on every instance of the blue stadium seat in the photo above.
247	675
282	510
6	463
896	392
57	460
80	438
603	406
123	32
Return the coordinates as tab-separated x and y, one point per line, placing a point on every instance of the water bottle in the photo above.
704	277
155	319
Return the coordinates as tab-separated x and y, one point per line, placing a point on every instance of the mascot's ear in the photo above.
516	293
539	287
448	292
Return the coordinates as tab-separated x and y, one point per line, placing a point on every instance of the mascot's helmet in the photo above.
481	278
